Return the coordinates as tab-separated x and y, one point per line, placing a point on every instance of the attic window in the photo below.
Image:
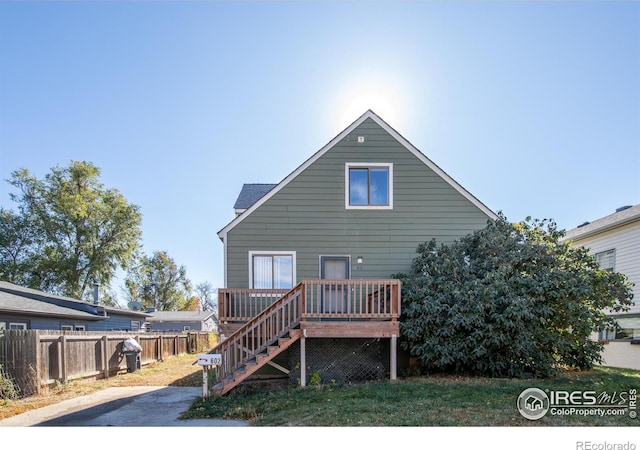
369	186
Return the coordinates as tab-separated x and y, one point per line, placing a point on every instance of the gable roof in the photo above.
367	115
251	193
622	216
19	299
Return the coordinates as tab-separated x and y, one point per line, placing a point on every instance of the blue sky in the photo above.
534	107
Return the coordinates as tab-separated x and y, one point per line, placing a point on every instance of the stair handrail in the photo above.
260	330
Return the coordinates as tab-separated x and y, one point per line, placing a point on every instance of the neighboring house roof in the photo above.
622	216
250	194
180	316
18	299
368	115
12	301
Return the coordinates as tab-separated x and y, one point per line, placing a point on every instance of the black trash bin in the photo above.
133	361
132	352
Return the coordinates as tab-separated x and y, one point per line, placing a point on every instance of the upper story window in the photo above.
369	185
272	270
606	260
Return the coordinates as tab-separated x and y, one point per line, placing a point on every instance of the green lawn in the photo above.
416	401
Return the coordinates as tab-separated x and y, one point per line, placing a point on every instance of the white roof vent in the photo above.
360	139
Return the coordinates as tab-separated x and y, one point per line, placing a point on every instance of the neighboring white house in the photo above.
614	240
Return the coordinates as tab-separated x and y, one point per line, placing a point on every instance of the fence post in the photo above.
62	357
37	369
105	360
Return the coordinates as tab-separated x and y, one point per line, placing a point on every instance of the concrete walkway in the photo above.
140	406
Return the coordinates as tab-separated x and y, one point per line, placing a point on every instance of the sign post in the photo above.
206	360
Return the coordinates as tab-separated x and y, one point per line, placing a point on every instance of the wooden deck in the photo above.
330	302
258	324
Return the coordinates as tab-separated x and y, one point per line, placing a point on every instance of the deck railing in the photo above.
242	305
259	338
255	336
320	299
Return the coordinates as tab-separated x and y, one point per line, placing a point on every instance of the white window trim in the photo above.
610	250
367	165
19	325
253	253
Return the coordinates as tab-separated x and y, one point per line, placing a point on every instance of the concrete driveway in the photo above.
140	406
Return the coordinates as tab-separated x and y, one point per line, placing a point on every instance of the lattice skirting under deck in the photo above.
341	361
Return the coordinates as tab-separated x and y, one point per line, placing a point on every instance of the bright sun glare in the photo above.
380	96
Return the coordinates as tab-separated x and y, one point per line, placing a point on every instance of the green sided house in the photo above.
309	261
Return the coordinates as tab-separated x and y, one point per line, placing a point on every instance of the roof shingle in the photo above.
251	193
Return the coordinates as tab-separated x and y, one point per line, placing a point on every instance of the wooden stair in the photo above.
254	363
258	341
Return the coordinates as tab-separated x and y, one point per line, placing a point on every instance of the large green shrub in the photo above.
509	300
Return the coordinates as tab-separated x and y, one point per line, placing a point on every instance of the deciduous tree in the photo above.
158	282
78	233
206	293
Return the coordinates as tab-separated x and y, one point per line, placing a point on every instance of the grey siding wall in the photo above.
113	323
116	322
175	326
308	215
40	323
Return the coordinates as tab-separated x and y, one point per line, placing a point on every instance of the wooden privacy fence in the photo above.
36	359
